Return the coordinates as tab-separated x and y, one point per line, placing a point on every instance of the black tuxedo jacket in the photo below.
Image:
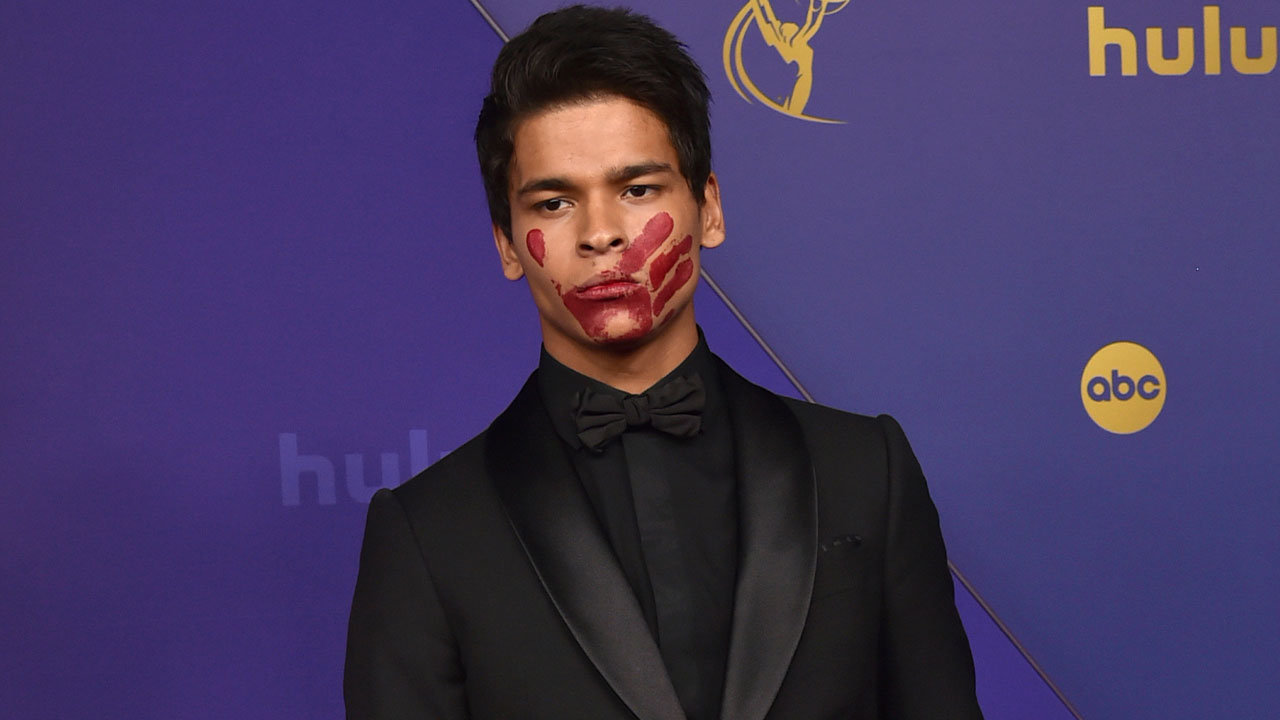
487	588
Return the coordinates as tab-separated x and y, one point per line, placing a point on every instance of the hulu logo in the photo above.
294	467
1101	37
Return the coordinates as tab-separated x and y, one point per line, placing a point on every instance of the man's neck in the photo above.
632	368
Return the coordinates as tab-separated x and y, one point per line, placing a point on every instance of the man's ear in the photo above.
511	266
712	215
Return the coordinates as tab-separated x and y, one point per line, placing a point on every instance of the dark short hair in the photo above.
580	53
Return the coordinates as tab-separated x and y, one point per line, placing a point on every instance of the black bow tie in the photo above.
675	407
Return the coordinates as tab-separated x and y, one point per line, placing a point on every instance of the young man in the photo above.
643	533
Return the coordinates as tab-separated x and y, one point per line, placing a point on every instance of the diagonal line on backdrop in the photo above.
489	19
733	308
791	377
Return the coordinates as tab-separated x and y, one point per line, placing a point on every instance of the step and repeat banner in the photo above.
248	279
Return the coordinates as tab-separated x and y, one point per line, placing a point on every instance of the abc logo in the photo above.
1123	387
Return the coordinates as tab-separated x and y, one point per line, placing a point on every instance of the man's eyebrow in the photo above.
614	176
631	172
551	183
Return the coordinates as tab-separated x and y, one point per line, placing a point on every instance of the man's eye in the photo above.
637	191
551	205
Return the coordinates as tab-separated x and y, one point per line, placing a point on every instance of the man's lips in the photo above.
609	290
607	286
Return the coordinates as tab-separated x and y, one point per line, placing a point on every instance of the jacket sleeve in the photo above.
402	660
927	667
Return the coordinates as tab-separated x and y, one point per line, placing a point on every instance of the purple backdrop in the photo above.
247	277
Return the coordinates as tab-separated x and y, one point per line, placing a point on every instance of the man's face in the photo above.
604	226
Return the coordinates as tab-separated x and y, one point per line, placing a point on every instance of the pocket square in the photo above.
833	543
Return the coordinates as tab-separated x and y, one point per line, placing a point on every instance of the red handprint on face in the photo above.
537	245
662	265
617	305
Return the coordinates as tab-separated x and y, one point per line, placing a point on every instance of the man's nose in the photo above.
603	232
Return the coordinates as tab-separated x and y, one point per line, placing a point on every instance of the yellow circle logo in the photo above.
1123	387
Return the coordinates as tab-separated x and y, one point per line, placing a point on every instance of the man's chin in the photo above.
630	334
624	336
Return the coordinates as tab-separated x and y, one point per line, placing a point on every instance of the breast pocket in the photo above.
841	566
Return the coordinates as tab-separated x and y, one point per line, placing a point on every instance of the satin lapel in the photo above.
550	513
778	538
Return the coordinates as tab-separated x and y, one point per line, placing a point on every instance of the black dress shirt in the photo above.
669	508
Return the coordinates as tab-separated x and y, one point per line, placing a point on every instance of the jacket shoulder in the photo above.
823	424
869	450
453	479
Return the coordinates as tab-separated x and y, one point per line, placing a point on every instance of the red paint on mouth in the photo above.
595	313
646	243
684	272
537	245
667	260
614	299
608	276
611	290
